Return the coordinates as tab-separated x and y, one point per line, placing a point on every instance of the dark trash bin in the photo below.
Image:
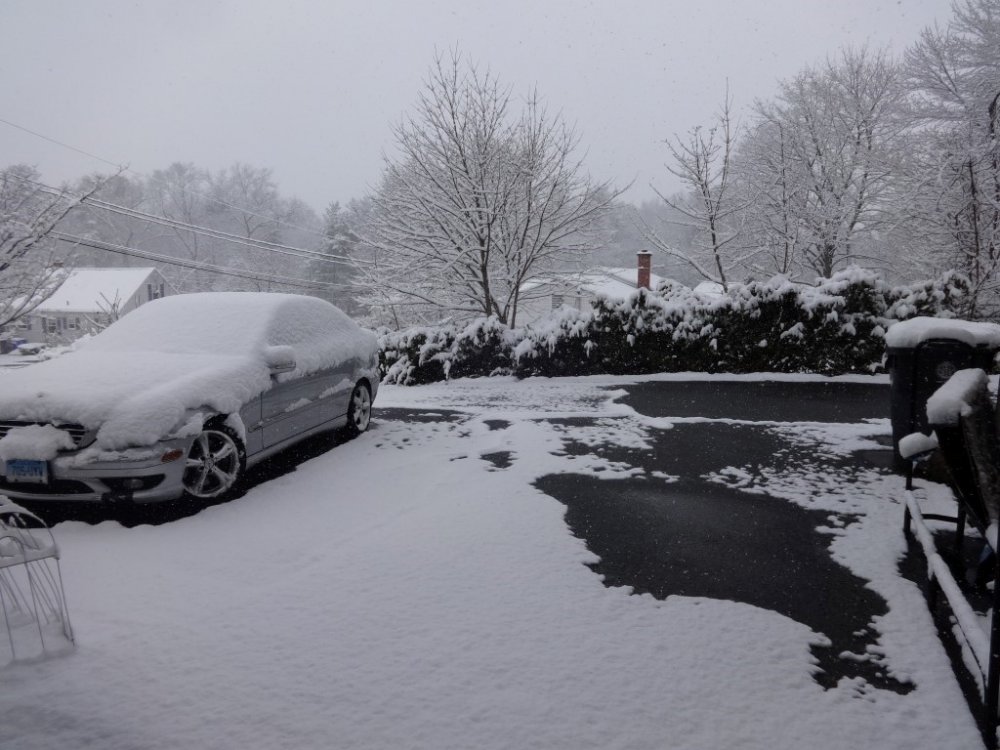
923	360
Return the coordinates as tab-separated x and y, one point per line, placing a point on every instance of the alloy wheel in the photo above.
213	464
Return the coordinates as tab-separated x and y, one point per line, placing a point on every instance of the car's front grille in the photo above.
55	487
76	431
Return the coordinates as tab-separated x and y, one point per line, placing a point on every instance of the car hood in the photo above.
133	398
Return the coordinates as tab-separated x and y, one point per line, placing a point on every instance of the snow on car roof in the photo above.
137	380
236	323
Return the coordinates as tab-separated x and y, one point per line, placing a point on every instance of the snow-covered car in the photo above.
180	396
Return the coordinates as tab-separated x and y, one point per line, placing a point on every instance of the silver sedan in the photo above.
181	396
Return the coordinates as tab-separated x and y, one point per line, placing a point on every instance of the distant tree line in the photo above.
893	164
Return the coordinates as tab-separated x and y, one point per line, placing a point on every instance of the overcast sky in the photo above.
310	88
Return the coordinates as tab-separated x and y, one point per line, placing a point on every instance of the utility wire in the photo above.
125	168
196	265
197	229
65	145
218	233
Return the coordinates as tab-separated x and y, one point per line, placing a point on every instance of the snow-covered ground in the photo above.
401	592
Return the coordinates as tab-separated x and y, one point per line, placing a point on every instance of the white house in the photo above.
580	290
88	300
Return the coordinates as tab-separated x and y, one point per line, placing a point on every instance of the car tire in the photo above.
214	463
359	410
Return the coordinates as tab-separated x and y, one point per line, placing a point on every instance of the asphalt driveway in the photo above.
764	542
695	537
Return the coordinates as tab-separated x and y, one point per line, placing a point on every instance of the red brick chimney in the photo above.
645	259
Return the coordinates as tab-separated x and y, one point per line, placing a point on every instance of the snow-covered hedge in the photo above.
834	328
428	354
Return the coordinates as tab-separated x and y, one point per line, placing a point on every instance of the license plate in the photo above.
27	472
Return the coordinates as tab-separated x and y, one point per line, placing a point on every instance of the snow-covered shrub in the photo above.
429	354
759	327
948	296
649	331
847	323
416	355
484	347
778	326
773	326
862	290
559	345
835	327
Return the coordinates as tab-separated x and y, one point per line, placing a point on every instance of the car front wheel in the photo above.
359	411
214	463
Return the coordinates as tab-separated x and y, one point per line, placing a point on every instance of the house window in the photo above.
557	301
154	291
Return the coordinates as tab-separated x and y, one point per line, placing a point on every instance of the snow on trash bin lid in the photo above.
909	333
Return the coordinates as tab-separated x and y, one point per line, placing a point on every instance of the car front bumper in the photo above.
140	475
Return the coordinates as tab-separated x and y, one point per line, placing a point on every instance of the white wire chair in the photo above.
32	598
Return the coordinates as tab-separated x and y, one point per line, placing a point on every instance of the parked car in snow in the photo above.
180	396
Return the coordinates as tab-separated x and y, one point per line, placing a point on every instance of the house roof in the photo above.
613	283
92	289
714	290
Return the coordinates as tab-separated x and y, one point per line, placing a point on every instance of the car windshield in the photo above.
220	323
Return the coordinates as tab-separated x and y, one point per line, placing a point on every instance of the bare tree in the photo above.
110	311
31	264
178	193
953	190
244	201
478	201
95	223
703	163
776	198
823	159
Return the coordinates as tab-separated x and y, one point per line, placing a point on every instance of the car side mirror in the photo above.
280	359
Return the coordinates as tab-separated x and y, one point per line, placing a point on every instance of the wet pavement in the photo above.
761	401
693	537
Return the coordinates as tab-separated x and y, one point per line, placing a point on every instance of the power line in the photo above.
197	229
125	168
64	145
196	265
218	233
